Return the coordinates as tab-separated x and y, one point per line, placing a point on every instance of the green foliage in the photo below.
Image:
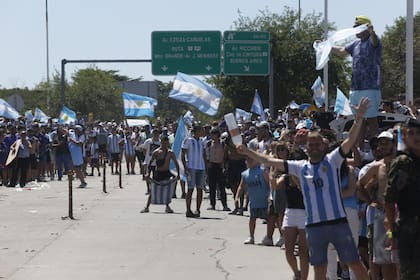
97	91
294	62
393	59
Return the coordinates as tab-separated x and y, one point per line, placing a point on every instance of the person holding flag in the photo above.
366	74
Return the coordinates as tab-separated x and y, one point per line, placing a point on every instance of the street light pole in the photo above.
326	65
409	54
47	55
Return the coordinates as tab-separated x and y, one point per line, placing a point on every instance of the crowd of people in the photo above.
334	195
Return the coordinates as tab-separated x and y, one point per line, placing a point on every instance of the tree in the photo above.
294	62
96	91
393	59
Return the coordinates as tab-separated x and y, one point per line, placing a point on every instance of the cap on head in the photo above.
362	20
386	135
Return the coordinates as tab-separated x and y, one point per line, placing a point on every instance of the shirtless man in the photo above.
378	172
215	153
163	157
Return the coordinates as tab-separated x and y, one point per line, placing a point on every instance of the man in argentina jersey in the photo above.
319	178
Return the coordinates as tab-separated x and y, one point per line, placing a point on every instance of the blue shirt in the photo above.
258	189
366	64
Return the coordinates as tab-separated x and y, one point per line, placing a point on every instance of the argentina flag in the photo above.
67	116
318	92
196	93
138	105
257	106
242	115
180	135
41	116
342	104
7	110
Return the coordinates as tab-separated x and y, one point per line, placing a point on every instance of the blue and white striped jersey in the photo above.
320	185
195	152
113	143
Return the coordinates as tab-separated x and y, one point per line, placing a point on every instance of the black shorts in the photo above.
102	148
33	161
115	156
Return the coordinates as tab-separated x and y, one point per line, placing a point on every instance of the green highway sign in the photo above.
251	58
246	36
190	52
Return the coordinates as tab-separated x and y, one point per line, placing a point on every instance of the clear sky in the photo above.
111	29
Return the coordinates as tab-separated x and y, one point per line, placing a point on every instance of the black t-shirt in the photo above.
323	119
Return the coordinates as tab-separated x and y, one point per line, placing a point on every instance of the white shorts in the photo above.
294	218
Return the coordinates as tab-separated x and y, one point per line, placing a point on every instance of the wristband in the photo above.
389	234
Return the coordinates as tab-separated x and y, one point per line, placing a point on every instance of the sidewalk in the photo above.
110	239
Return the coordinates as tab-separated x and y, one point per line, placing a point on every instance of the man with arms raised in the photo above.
320	185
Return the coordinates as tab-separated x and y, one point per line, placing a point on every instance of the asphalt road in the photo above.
110	239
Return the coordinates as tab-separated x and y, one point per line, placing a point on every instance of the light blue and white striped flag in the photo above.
67	116
342	104
196	93
318	92
29	116
400	143
257	106
41	116
180	135
242	115
138	105
7	110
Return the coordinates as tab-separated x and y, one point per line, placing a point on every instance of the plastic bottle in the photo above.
235	134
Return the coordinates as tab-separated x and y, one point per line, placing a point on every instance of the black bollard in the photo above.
70	176
104	177
120	174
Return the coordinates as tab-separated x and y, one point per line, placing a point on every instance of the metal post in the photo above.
104	176
326	65
120	173
271	86
47	54
409	55
70	176
63	79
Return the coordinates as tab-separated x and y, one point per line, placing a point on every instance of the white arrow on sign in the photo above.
164	68
246	68
208	67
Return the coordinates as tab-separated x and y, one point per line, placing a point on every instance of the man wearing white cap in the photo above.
366	74
379	173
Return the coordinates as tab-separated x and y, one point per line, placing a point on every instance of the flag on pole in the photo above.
342	104
138	105
180	135
67	116
257	106
41	116
400	142
7	110
196	93
318	92
242	114
29	117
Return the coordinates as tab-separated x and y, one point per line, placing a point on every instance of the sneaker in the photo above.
145	210
168	210
234	212
83	185
250	240
240	212
197	214
226	209
280	242
211	208
266	241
